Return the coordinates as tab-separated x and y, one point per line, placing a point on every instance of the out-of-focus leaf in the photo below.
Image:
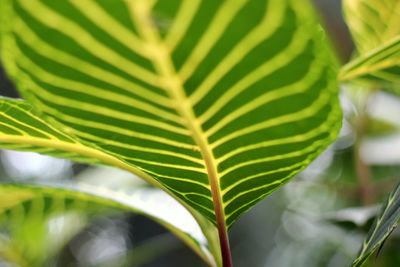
379	66
375	30
358	216
372	22
145	252
383	150
25	211
377	127
383	226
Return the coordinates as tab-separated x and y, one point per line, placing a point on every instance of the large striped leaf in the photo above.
383	226
221	102
24	207
375	30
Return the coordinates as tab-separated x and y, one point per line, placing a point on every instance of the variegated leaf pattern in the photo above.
24	205
20	129
383	226
221	102
374	27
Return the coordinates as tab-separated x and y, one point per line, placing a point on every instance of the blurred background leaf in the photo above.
39	219
374	28
385	223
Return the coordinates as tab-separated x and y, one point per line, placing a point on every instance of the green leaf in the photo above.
27	207
372	22
379	127
145	252
383	226
374	27
220	102
379	66
21	129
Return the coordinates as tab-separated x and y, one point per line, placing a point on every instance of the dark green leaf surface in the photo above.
375	30
383	226
221	102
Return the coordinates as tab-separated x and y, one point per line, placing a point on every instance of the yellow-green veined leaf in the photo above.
20	129
380	66
374	27
372	22
383	226
23	206
221	102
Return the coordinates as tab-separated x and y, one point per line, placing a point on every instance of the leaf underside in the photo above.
383	226
25	205
221	102
374	27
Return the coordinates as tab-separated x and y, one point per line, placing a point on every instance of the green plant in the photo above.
217	103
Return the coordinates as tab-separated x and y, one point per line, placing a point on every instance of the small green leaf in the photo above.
374	27
25	205
383	226
380	65
21	129
220	102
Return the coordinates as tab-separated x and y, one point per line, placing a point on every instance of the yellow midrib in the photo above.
173	84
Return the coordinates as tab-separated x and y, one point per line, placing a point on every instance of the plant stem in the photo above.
225	247
363	171
220	219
